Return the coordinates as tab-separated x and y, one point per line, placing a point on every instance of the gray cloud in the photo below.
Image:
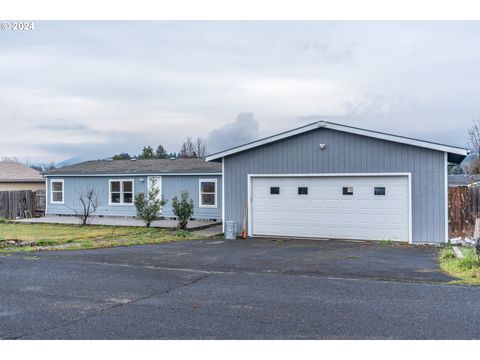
108	144
243	130
62	126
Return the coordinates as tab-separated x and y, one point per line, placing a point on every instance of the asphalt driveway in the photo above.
254	289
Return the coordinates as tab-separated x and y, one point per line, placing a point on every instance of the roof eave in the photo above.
323	124
176	173
3	181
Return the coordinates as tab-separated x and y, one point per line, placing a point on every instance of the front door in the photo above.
158	183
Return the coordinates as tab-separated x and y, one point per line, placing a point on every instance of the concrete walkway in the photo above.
120	221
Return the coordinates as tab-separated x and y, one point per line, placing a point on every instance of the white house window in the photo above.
121	192
208	193
57	192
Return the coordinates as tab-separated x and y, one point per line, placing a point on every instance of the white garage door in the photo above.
350	207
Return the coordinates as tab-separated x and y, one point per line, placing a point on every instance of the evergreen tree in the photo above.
147	153
160	153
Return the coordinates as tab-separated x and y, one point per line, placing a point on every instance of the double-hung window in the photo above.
56	187
121	192
208	193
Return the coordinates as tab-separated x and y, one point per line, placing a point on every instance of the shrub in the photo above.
148	205
182	233
447	254
183	209
46	242
470	260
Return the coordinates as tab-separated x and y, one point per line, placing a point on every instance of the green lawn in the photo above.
58	237
466	269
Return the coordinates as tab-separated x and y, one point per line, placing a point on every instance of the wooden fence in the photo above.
463	209
16	204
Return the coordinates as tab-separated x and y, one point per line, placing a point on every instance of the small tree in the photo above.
88	205
148	205
183	209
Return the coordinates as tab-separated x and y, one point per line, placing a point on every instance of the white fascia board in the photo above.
399	139
133	174
348	129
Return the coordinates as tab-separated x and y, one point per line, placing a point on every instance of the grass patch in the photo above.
466	269
386	242
59	237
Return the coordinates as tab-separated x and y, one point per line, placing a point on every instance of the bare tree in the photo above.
89	202
474	140
9	159
201	148
190	149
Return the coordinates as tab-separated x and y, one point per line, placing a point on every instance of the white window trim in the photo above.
51	191
121	203
200	181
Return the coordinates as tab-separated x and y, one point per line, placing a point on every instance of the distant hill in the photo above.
71	161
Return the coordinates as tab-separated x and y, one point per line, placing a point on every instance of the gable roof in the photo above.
455	154
143	167
16	172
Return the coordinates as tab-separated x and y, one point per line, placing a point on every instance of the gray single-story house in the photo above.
116	182
326	180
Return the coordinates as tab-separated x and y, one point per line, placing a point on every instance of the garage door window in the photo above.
379	191
303	191
347	190
275	190
208	193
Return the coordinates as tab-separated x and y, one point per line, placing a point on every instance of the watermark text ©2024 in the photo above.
17	25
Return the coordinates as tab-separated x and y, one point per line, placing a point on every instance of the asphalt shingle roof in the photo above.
462	179
16	172
160	166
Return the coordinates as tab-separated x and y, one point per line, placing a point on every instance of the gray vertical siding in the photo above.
345	153
171	186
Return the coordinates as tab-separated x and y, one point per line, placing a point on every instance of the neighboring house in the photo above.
326	180
117	182
15	176
456	180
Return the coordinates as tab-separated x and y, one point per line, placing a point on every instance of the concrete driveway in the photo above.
235	290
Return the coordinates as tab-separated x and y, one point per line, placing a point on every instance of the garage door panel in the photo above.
326	212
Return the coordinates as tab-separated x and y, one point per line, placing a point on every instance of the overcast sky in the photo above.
93	89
